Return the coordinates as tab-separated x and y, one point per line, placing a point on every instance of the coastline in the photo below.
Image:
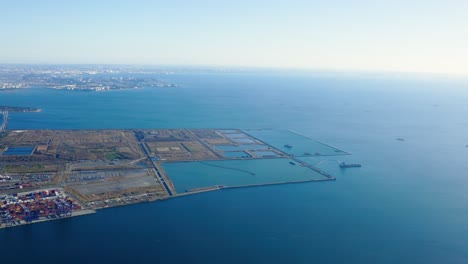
46	219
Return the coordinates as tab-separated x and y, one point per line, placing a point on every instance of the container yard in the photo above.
42	205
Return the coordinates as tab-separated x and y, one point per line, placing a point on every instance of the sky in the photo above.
395	36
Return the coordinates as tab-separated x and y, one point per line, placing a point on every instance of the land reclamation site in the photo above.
51	174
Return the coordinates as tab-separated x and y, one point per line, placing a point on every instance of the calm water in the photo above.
407	204
190	175
240	147
17	151
294	144
236	154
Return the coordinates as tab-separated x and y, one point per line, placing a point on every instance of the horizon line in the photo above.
256	67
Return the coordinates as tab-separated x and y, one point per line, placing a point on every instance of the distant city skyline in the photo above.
395	36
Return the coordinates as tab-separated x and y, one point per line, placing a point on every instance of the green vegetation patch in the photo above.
23	168
114	155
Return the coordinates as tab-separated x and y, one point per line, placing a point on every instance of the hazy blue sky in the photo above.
390	35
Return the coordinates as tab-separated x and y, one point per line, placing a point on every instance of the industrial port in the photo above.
52	174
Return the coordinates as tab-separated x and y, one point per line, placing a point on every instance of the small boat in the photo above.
292	163
287	146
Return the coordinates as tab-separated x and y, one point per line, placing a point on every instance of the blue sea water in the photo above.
407	204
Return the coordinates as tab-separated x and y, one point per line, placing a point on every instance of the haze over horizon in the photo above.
420	36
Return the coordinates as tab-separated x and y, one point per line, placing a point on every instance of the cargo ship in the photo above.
344	165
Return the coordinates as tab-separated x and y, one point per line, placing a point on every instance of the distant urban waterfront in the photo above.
408	201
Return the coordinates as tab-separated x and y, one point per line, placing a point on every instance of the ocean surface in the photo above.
407	204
